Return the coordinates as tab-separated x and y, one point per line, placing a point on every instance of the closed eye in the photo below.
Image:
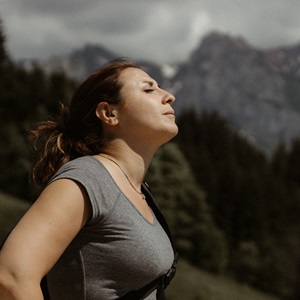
149	90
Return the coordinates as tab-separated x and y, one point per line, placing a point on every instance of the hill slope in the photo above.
11	210
191	283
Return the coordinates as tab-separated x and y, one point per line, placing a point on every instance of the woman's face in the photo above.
147	109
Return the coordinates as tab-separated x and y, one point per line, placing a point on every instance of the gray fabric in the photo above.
117	251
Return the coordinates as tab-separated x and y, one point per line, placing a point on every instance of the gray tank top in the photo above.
117	251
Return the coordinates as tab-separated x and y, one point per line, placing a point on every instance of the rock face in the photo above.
258	92
79	63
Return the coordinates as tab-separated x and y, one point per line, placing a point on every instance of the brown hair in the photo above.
76	131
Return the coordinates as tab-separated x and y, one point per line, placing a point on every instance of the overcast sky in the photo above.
159	30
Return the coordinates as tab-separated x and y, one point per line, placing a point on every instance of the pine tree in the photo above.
186	210
26	98
3	52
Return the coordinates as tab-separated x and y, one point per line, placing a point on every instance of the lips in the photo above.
170	112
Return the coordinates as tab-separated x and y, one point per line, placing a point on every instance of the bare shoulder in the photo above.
48	227
65	196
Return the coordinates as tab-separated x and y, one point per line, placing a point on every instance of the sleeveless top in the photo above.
117	251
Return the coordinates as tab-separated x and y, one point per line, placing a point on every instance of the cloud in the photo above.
161	30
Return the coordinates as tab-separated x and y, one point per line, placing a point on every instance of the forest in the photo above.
233	210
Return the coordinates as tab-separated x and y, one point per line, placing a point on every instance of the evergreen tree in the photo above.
279	161
293	165
26	98
3	52
186	210
253	200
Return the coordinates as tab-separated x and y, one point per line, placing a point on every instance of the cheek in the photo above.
138	106
130	114
131	110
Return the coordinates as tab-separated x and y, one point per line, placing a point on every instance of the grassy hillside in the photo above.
190	283
11	210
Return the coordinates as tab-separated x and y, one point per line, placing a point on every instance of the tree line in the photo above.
254	200
232	209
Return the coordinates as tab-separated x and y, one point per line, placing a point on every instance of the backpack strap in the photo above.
163	281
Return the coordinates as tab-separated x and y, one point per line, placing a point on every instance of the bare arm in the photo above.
40	238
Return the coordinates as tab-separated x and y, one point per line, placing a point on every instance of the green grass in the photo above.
191	283
11	211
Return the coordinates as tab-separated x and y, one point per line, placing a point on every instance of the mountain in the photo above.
257	91
81	62
77	64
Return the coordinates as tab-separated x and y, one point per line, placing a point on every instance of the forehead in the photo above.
134	77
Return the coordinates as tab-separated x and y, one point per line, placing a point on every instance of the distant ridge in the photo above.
257	91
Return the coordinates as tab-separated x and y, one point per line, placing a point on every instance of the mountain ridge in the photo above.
257	91
246	86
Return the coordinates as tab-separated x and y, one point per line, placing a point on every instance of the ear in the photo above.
107	113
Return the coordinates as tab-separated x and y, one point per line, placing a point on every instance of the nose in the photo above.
168	98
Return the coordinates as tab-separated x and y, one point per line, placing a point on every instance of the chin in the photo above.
175	130
170	134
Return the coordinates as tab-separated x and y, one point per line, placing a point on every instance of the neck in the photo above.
133	160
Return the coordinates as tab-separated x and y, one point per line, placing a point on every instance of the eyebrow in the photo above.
148	82
151	83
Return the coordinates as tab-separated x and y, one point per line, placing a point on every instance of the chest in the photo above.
125	249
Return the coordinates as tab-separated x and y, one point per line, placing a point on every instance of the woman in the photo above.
91	230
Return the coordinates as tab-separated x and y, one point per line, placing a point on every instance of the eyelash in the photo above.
149	91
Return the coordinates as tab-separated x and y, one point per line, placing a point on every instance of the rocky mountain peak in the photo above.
244	85
286	61
216	44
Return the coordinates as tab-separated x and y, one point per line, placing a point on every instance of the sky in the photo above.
163	31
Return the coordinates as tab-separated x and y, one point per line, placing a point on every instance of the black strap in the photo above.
162	282
44	288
